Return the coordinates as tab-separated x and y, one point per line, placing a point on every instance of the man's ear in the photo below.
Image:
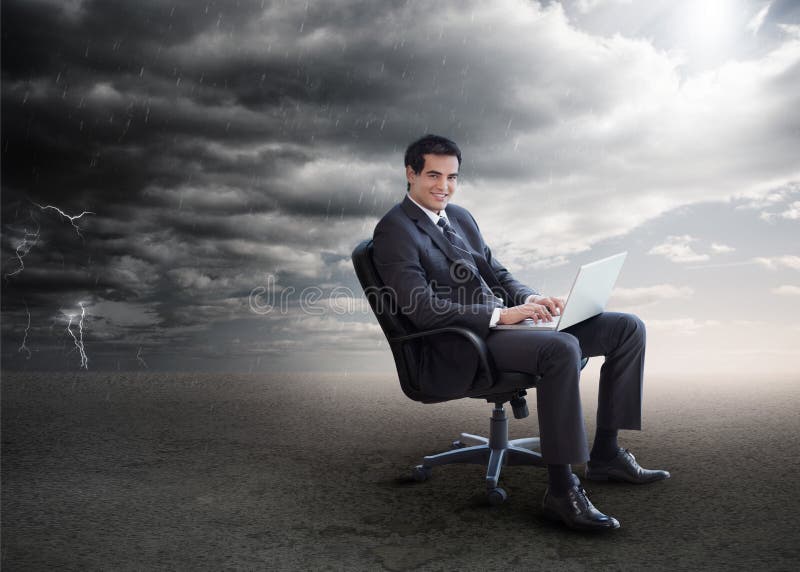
410	174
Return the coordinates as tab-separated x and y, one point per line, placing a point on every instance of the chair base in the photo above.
494	452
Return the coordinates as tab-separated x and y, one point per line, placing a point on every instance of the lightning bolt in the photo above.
24	347
70	218
23	248
79	340
139	357
30	239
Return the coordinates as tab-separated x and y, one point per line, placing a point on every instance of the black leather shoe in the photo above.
576	511
623	467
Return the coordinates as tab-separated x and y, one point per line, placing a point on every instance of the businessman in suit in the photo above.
432	254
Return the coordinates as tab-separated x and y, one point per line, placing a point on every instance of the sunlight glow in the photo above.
709	24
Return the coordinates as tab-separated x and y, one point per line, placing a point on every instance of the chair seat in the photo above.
509	382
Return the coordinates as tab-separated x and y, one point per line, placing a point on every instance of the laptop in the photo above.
587	297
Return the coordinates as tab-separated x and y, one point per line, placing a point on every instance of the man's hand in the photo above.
516	314
554	305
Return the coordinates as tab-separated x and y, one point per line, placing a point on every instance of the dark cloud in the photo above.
223	142
783	12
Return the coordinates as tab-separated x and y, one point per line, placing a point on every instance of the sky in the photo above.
183	182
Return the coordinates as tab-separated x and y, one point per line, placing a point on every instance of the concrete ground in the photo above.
311	472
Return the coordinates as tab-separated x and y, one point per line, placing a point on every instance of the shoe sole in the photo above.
556	517
606	478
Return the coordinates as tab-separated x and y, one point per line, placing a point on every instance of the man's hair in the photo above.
430	145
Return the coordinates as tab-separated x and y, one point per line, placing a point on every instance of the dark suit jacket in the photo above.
437	285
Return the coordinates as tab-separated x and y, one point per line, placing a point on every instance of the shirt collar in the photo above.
431	214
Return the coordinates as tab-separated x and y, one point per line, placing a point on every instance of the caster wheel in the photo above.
457	444
497	496
421	473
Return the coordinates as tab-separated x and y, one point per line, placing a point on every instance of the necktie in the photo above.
453	238
459	243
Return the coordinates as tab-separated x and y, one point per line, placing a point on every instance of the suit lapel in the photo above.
477	265
425	224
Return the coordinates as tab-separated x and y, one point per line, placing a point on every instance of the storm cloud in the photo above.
226	146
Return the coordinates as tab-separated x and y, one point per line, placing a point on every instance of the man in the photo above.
432	254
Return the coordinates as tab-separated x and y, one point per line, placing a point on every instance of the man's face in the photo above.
435	185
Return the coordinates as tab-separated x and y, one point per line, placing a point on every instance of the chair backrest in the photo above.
384	305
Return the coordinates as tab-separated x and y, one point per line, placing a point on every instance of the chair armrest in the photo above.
475	340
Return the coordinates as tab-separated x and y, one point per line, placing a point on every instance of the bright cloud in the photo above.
787	290
718	248
586	6
650	294
681	326
755	23
678	249
775	262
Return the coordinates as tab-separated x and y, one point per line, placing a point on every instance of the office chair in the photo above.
496	450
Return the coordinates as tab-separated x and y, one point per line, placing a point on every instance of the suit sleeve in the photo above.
397	258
